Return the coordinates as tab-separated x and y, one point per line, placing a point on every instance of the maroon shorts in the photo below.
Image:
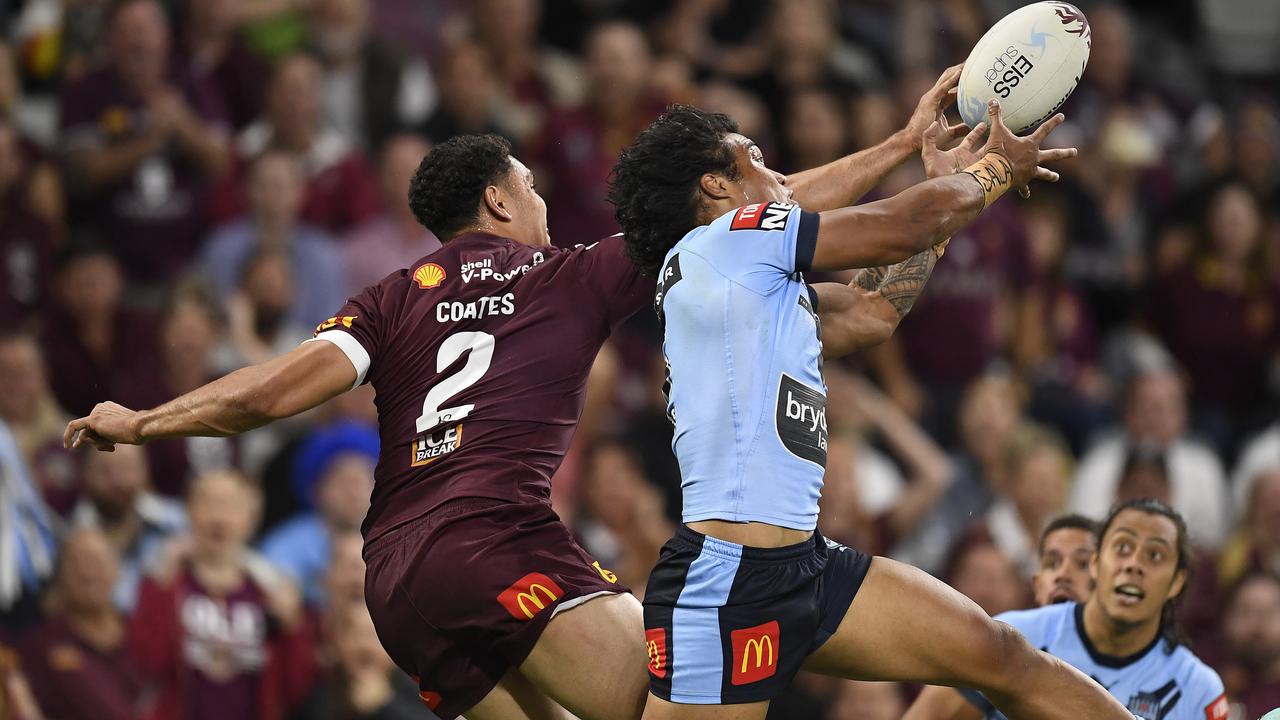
461	595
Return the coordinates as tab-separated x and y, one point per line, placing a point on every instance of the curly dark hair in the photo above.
1170	630
447	189
654	186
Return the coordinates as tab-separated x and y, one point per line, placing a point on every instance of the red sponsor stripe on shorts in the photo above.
530	595
755	653
656	643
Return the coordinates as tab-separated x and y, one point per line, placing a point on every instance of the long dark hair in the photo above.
1170	629
654	186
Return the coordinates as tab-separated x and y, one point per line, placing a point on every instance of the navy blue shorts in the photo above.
728	624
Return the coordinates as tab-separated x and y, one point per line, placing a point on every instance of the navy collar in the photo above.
1101	658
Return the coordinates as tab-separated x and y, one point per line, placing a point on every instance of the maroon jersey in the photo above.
479	355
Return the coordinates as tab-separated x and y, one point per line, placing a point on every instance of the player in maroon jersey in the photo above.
479	354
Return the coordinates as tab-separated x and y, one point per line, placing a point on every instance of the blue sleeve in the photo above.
1035	625
760	246
1204	688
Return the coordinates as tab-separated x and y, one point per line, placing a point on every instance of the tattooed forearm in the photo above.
903	282
869	279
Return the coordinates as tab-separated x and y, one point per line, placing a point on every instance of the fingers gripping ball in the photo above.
1030	61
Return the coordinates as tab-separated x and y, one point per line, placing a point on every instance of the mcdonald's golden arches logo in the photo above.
530	595
655	640
755	653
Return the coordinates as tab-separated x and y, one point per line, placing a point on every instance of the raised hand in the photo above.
939	162
108	424
1024	153
932	107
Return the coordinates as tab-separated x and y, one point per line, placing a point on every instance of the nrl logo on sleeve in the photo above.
432	446
762	216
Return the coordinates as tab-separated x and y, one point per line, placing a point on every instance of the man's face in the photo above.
1064	567
223	513
1136	568
756	183
528	209
1252	623
25	380
294	99
343	492
113	481
1264	511
139	43
1157	410
88	572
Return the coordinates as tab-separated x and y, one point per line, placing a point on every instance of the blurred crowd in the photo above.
189	186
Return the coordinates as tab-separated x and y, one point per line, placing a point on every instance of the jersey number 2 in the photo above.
481	346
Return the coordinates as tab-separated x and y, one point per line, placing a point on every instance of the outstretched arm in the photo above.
843	182
894	229
248	398
867	311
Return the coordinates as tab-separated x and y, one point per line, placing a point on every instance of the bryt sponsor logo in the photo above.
802	420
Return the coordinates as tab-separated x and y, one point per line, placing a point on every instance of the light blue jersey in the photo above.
1153	684
744	367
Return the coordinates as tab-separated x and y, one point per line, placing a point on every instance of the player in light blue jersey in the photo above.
1124	635
748	592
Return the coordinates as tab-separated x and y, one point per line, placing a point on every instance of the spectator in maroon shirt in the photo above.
43	193
16	700
1251	627
532	76
90	341
816	130
1055	342
469	96
217	628
189	332
27	237
1218	316
78	659
969	310
28	407
363	683
340	188
371	91
142	142
580	146
395	239
119	502
983	574
217	55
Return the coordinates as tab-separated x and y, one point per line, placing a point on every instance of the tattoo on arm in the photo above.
869	279
903	282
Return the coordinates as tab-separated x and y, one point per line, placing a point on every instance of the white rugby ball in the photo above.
1030	61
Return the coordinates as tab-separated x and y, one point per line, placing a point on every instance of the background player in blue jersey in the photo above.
1125	635
748	592
1066	550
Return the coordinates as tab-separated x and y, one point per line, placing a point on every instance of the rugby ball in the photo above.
1030	61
